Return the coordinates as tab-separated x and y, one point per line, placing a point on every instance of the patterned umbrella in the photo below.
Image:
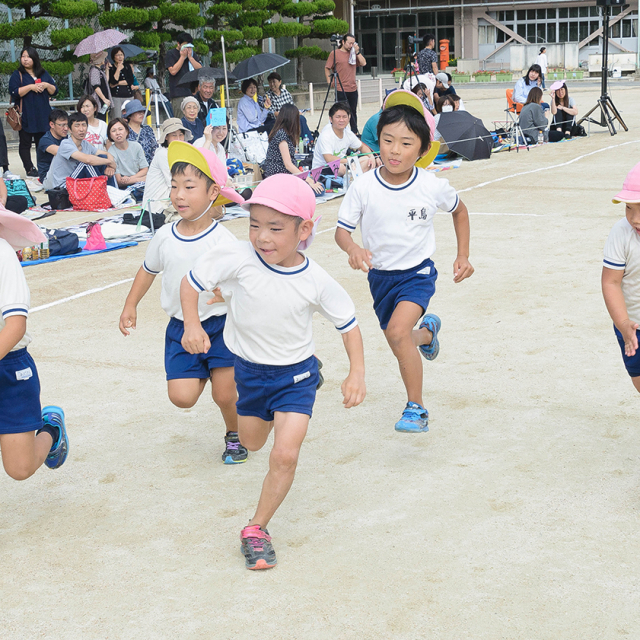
99	42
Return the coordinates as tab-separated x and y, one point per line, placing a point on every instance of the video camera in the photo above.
335	38
413	39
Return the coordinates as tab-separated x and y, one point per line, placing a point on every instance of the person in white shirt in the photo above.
395	206
196	177
96	128
272	291
335	140
212	140
543	63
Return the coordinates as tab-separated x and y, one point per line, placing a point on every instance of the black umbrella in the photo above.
259	64
206	72
465	135
129	50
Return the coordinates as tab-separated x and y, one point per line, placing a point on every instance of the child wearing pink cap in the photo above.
272	291
197	179
621	275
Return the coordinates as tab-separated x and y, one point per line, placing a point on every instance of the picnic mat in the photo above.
111	246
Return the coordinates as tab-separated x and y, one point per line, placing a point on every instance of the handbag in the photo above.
20	188
14	113
95	239
88	194
59	198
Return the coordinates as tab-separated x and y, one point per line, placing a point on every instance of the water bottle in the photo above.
540	137
306	144
300	146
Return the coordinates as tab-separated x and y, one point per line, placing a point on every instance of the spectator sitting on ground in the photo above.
442	86
212	140
445	104
532	118
17	204
131	164
157	185
281	151
335	140
422	91
190	107
50	141
76	158
563	109
204	96
370	132
279	96
138	131
252	116
533	78
458	104
96	129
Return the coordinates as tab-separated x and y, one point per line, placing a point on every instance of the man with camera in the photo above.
344	61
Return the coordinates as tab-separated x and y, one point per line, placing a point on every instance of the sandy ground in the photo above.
515	517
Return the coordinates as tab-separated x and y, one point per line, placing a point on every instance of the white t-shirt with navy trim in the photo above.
174	254
622	253
14	292
271	307
329	144
396	221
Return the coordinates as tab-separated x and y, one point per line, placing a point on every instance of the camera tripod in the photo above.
608	112
335	76
154	97
409	69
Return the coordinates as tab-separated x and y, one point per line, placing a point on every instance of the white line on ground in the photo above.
79	295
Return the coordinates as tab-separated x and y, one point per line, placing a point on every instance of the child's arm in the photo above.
139	288
617	308
14	328
195	338
353	388
359	258
462	267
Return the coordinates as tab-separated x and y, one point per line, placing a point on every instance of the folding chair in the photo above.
513	128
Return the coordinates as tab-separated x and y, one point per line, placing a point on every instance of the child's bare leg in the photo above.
253	432
636	382
224	394
402	340
289	432
184	392
24	453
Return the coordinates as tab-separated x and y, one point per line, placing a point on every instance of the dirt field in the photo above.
515	517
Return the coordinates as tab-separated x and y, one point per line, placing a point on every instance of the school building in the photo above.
492	34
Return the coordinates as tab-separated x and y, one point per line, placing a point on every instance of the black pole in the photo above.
605	51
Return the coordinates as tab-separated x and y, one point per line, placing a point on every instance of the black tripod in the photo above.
335	76
409	69
608	112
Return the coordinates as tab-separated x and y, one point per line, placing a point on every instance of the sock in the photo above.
52	430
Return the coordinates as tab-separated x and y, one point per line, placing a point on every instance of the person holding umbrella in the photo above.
251	116
99	84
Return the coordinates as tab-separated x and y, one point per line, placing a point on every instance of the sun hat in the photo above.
187	100
171	125
558	84
410	99
133	106
442	77
98	58
19	232
630	188
208	162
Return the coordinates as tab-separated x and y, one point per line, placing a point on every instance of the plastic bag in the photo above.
95	239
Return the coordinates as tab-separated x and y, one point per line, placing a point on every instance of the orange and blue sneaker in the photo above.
257	548
415	418
234	452
53	417
432	322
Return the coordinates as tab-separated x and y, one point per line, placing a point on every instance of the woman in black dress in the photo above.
120	81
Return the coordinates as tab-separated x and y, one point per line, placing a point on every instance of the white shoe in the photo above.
7	175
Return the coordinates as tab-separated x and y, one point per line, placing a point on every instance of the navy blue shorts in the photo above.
20	409
631	363
179	363
388	288
264	389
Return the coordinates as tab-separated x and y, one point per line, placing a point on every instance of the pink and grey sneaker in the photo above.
257	548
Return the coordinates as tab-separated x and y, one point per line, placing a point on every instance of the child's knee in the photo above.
397	335
19	471
224	396
182	399
284	458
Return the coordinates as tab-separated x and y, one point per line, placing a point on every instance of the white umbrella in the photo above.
99	42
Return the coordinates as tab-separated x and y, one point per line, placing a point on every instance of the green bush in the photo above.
74	9
255	5
58	68
325	6
63	37
316	53
230	35
299	9
327	26
146	40
7	68
236	55
252	33
182	13
124	18
254	18
286	29
224	9
23	28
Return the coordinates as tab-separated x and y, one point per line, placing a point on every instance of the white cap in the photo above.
442	77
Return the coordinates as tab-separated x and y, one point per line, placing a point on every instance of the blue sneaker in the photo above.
234	452
414	419
54	416
432	322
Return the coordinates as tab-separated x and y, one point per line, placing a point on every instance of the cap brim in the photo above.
430	156
184	152
228	195
268	202
409	99
628	197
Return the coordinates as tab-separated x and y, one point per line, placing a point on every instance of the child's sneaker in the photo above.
234	452
54	417
414	419
257	548
432	322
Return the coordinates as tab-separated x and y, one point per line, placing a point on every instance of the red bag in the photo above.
89	194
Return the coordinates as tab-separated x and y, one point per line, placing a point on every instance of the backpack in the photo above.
19	188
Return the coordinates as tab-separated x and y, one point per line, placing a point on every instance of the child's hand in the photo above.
128	320
217	297
353	390
195	339
630	336
462	269
360	258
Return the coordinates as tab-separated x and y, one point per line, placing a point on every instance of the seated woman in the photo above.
532	119
422	91
564	111
190	108
445	104
139	132
279	96
97	129
212	140
131	165
251	116
157	186
532	79
281	151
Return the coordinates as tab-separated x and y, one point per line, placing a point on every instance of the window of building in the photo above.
541	33
594	12
445	18
369	22
583	30
615	30
522	30
551	32
563	13
573	12
551	14
584	12
626	28
522	15
487	34
388	22
573	32
427	19
563	35
408	20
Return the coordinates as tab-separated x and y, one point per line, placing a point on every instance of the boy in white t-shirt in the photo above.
621	275
29	436
394	206
196	179
273	291
335	140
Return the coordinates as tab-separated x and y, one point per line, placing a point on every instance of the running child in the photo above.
29	436
621	275
272	291
394	206
197	176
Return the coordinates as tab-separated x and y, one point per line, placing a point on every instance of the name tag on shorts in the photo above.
24	374
302	376
425	272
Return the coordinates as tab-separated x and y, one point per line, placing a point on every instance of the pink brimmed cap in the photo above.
19	232
205	160
410	99
285	193
630	188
